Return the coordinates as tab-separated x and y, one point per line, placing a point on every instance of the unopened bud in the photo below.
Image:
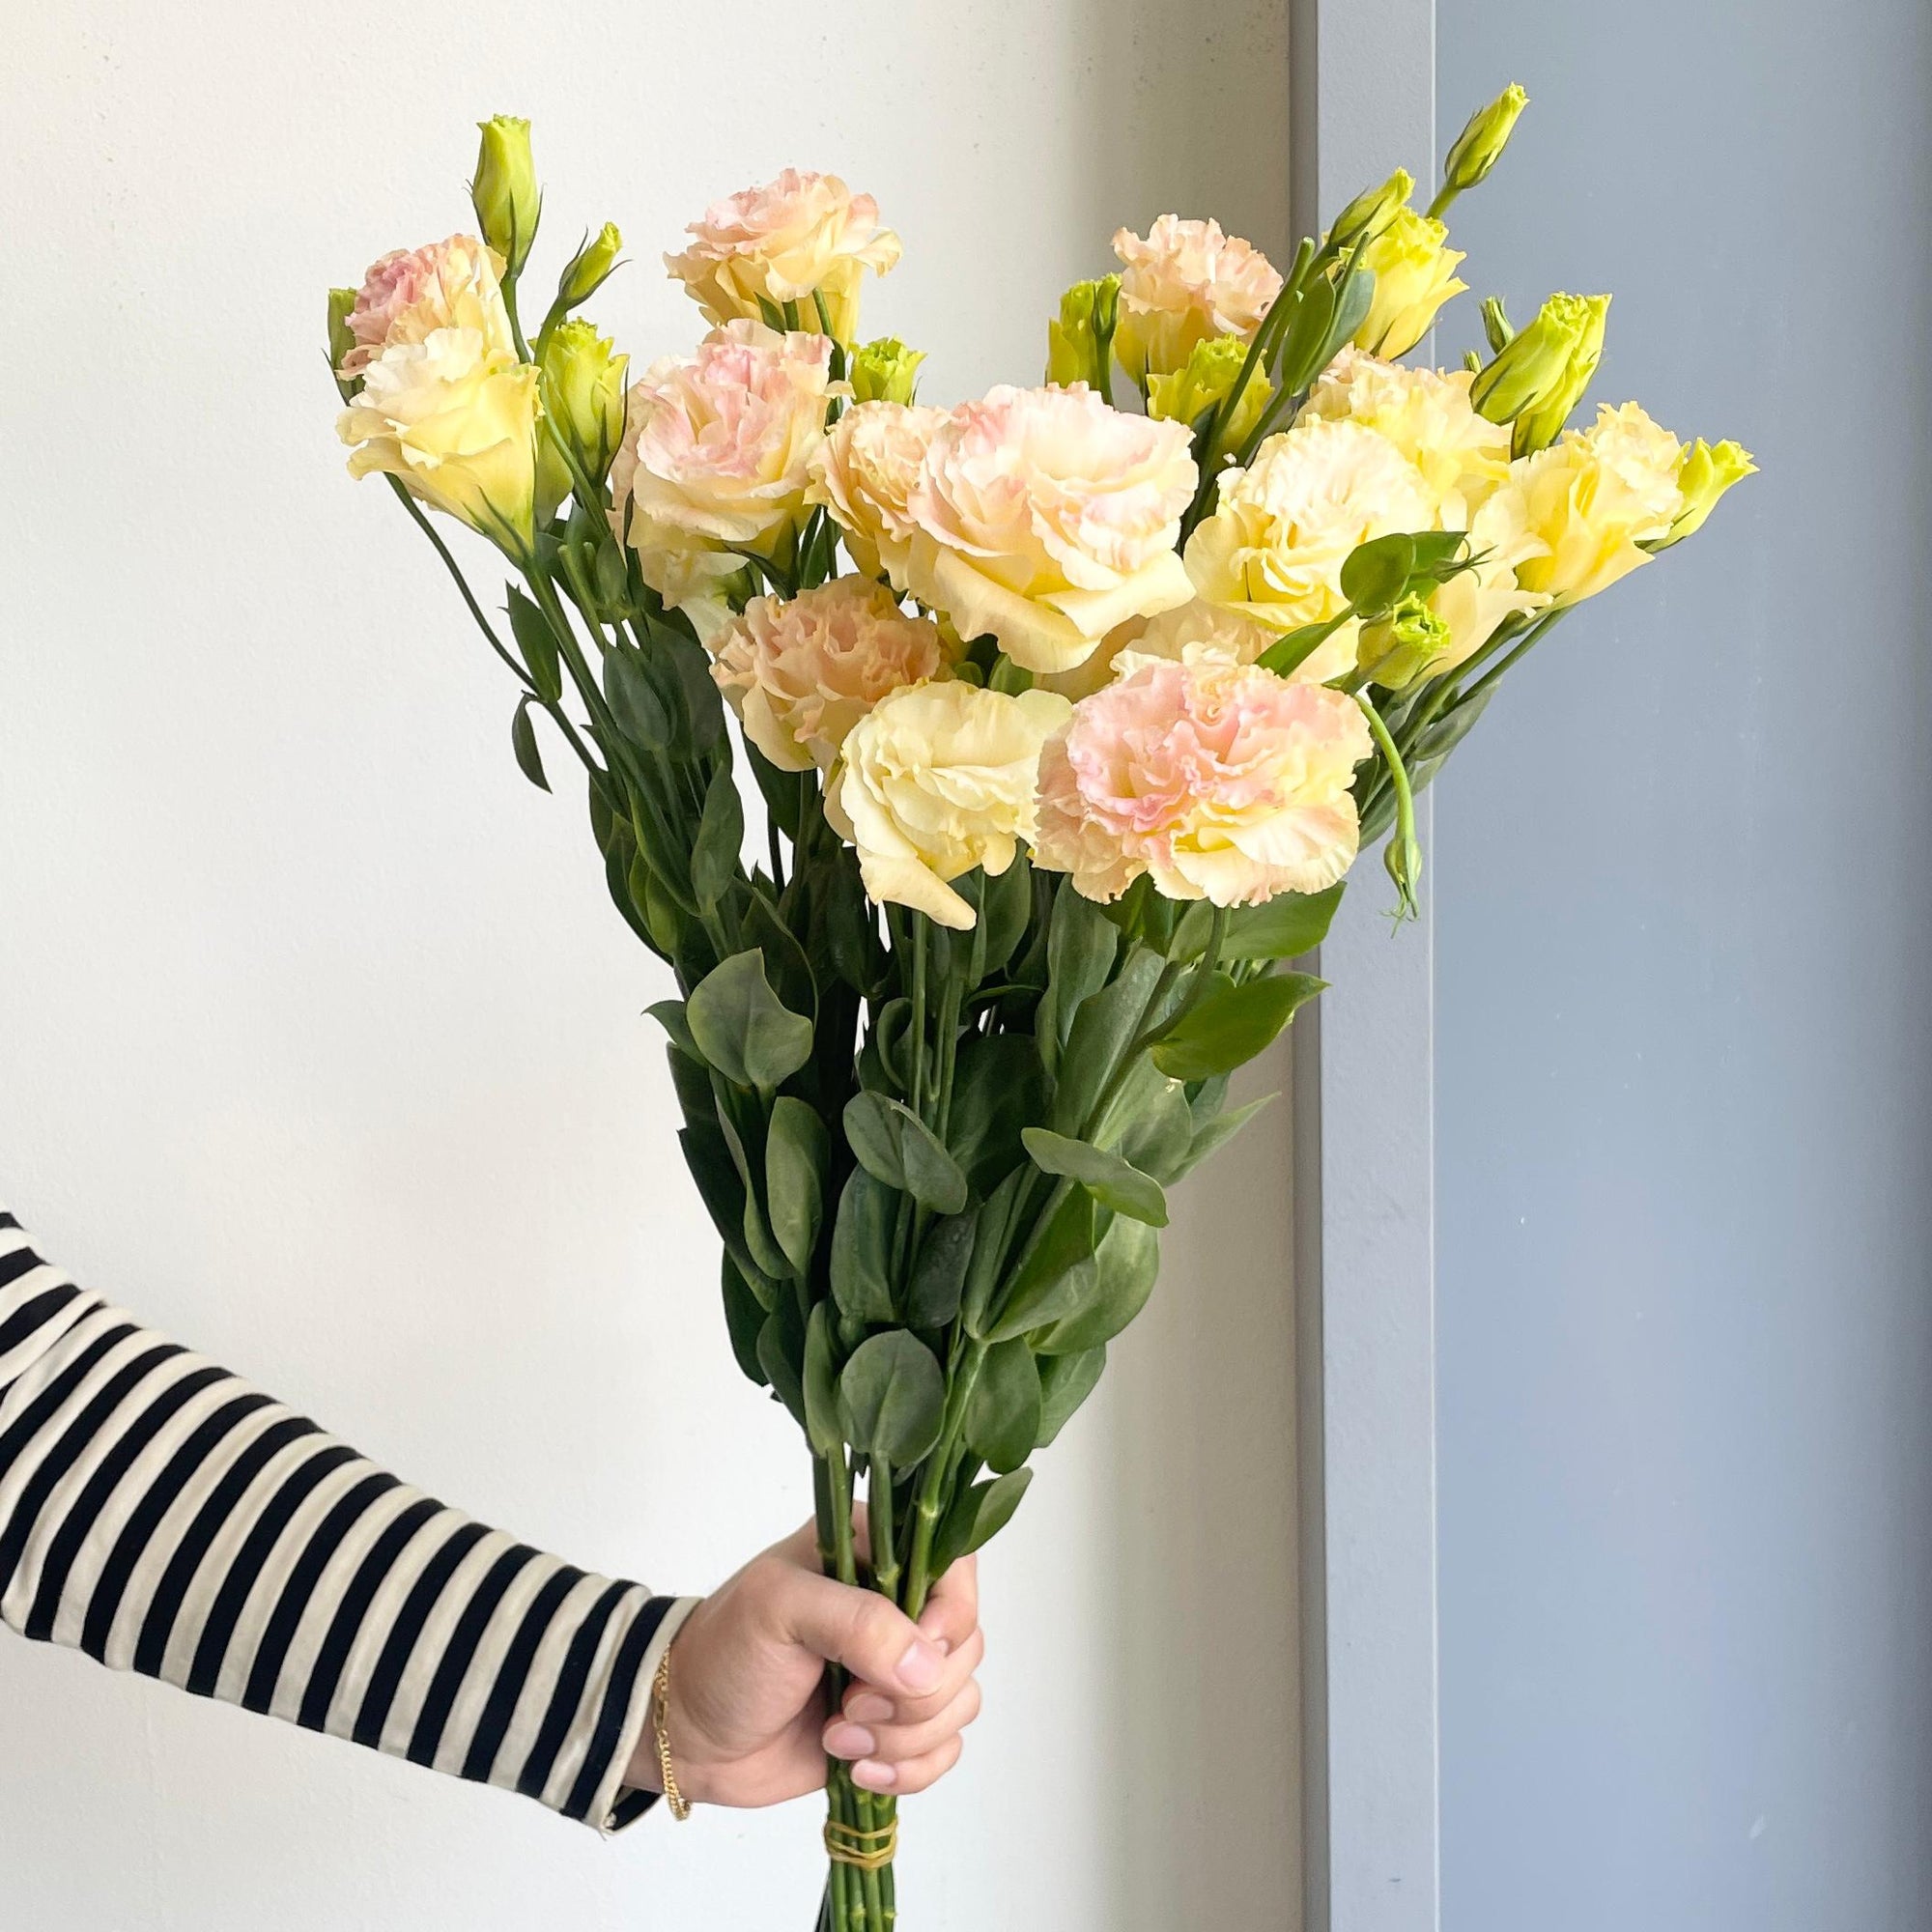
886	371
1539	376
340	340
581	388
505	193
1707	471
1079	343
1480	145
1395	651
1542	423
1372	210
1208	375
591	266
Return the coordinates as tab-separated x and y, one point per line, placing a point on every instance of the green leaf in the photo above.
709	1159
784	792
1065	1382
1375	574
894	1398
1353	302
1230	1027
797	1152
537	642
895	1145
821	1384
1002	1411
1103	1031
670	1014
742	1029
720	834
1057	1275
703	703
939	1274
1005	904
1288	926
1126	1266
524	743
1113	1182
1294	648
1081	945
976	1517
1159	1131
862	1249
1301	360
781	1355
997	1086
743	1318
633	701
1219	1131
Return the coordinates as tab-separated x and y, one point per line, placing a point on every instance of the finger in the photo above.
915	1774
952	1611
870	1703
897	1744
874	1640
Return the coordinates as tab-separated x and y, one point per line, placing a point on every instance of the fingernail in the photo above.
868	1707
869	1775
849	1740
920	1667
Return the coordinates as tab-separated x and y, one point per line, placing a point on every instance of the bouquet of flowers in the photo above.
1068	709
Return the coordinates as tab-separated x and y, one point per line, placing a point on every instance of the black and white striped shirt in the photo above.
163	1517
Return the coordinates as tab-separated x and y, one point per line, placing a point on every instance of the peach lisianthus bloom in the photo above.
864	472
936	779
1459	456
1274	548
1044	517
799	236
801	673
1183	283
1219	779
716	458
412	292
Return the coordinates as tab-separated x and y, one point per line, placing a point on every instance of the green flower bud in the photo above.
1480	145
1209	373
1542	423
1081	343
505	193
591	266
1707	471
1372	210
1539	376
582	390
1496	327
340	341
1395	651
886	371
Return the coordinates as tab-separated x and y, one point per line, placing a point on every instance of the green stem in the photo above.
918	1094
879	1516
940	1468
1403	860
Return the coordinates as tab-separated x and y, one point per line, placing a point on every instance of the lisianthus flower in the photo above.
1416	273
936	779
1282	529
1182	283
412	292
801	672
1475	601
1044	517
716	457
1218	779
864	474
799	236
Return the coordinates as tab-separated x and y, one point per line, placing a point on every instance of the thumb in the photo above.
858	1628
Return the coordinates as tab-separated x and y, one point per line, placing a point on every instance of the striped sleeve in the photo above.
165	1518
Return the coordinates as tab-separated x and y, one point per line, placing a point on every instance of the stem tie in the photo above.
865	1851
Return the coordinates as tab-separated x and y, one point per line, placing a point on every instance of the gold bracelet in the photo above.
680	1806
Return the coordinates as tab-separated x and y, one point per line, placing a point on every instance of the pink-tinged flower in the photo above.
1044	517
716	457
1186	282
801	236
864	472
1220	779
410	294
801	673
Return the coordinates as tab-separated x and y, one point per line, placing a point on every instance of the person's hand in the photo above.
747	1720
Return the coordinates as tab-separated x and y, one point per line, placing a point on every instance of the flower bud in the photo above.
1371	211
1542	423
1497	326
1480	145
886	371
1707	471
341	340
1395	651
591	266
1209	373
505	193
1539	376
583	394
1080	343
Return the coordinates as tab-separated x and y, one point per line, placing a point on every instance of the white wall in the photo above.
321	1045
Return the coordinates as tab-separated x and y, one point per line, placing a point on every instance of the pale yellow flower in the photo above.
412	292
1415	275
936	780
864	474
1186	282
1474	602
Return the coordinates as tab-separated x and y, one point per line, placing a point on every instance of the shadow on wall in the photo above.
1189	115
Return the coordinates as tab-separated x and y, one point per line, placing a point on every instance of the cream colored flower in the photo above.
1186	282
1044	517
1274	548
1475	601
1221	780
1426	414
799	236
938	778
1236	634
864	474
1415	275
716	457
456	421
410	294
801	673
